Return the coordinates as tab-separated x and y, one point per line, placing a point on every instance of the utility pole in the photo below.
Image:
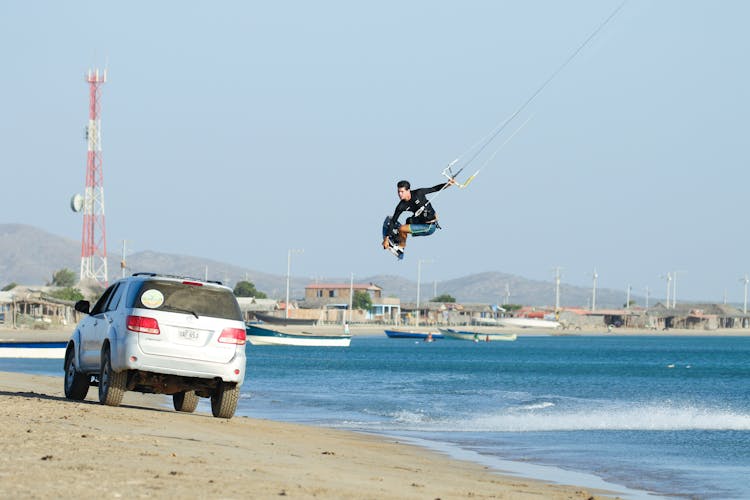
557	290
595	275
627	301
419	284
668	277
351	297
122	262
745	280
289	277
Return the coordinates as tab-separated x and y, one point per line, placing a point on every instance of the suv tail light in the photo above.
233	336
143	324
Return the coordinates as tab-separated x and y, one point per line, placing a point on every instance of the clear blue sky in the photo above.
238	130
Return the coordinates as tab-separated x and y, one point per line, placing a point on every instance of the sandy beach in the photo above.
53	447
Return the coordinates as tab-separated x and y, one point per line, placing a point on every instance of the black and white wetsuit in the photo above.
417	201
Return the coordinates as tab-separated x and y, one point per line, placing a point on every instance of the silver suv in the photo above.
160	334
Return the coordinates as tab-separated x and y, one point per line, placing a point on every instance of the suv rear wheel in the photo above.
76	383
111	384
186	401
224	400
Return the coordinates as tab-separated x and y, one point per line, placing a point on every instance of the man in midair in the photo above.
422	223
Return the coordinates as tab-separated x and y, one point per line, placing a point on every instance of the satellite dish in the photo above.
76	203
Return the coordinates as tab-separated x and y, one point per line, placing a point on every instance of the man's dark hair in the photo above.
403	184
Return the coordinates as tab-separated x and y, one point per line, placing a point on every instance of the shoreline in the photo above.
534	471
143	448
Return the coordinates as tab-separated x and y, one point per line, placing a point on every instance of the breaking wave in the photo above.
546	416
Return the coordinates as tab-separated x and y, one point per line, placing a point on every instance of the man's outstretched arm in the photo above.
440	187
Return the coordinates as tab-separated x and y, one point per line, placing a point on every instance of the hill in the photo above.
489	288
30	256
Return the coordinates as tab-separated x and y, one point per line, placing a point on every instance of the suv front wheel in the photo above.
224	400
111	384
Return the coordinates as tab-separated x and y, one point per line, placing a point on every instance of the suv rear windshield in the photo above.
173	296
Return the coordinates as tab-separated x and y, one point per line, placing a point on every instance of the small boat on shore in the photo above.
409	334
528	323
257	335
485	321
477	336
278	320
33	349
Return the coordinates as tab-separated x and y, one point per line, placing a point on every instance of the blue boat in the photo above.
408	334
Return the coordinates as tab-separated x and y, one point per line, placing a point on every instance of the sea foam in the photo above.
659	417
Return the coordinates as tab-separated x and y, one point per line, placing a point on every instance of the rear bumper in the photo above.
127	355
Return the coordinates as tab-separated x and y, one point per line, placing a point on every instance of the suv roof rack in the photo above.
217	282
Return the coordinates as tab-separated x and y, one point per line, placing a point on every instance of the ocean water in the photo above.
668	416
645	416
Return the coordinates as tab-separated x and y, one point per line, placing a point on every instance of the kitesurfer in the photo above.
424	222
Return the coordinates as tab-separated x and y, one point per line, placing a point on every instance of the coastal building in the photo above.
338	293
250	305
698	316
450	313
26	307
430	313
336	296
616	318
6	306
693	316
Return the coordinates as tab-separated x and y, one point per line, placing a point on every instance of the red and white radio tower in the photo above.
94	241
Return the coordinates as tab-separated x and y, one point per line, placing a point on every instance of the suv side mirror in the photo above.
82	306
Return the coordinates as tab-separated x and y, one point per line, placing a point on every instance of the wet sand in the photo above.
53	447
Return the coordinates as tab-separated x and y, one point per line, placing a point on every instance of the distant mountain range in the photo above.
30	256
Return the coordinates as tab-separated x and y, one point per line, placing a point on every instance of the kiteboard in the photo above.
393	238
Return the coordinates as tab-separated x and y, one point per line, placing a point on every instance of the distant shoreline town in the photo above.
332	304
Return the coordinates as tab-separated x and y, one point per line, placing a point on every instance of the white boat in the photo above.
485	321
528	323
257	335
33	349
477	336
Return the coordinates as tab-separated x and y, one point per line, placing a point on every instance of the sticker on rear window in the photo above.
152	298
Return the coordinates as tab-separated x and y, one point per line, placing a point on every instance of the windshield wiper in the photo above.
178	309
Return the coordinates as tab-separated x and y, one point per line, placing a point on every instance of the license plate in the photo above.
188	334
